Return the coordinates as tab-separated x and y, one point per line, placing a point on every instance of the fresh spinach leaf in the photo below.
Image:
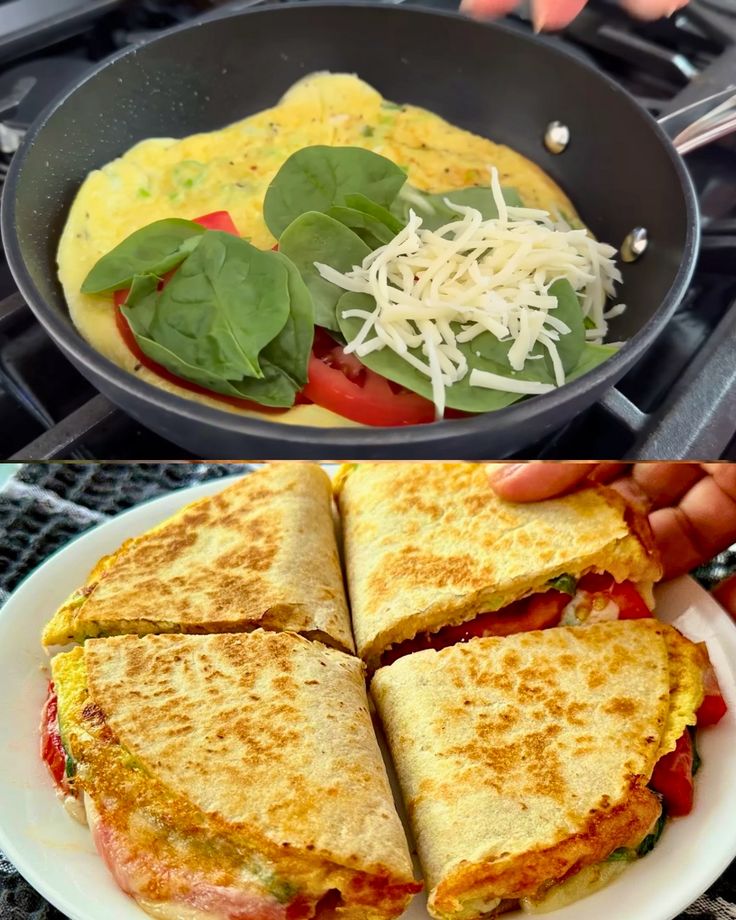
317	178
373	232
364	204
591	356
567	584
275	388
154	249
283	361
459	396
570	345
142	298
290	350
485	352
374	224
697	760
171	361
651	840
224	305
622	854
433	210
315	237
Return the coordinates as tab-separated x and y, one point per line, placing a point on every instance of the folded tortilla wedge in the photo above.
429	545
262	552
231	776
524	761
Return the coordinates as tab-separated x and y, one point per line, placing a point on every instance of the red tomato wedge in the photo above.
218	220
713	708
340	383
540	611
631	605
673	777
52	750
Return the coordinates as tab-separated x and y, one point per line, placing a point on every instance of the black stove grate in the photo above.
679	400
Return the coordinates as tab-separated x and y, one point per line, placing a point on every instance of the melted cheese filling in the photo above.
483	276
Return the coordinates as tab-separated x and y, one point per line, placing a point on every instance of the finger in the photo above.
635	496
666	483
487	9
549	15
652	9
673	536
537	480
712	516
725	476
725	593
608	470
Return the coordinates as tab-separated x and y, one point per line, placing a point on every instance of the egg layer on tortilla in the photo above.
231	169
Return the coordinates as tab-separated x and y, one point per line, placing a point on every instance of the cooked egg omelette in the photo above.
231	169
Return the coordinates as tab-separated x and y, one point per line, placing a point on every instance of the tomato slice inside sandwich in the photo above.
52	750
673	777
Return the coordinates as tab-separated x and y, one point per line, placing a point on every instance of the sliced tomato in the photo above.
673	777
540	611
52	750
218	220
630	603
341	383
713	707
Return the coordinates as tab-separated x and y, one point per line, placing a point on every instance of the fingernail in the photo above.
538	19
506	470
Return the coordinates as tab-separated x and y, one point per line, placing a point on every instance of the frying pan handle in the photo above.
702	122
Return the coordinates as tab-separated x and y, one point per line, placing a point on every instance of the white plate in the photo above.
57	857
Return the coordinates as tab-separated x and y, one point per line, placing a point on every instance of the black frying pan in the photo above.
619	168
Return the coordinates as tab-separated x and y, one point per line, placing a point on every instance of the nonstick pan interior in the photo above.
619	168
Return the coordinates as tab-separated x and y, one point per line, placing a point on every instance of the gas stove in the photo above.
679	401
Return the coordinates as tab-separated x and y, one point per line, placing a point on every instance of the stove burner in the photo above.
679	399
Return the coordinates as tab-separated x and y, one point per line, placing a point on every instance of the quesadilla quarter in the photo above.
434	556
526	762
229	776
262	552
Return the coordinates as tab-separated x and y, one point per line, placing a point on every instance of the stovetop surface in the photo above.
679	400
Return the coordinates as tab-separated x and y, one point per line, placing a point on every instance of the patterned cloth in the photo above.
45	505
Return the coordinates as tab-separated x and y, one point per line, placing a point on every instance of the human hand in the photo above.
549	15
691	506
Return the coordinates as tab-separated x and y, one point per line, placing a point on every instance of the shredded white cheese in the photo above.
482	276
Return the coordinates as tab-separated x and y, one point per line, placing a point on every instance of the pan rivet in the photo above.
634	244
556	137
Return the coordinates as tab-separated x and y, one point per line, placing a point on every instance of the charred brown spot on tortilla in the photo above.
259	553
92	713
413	566
268	725
622	706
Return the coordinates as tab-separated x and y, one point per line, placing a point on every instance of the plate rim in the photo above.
70	905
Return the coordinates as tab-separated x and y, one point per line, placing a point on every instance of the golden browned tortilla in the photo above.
236	767
526	758
430	544
231	169
262	552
